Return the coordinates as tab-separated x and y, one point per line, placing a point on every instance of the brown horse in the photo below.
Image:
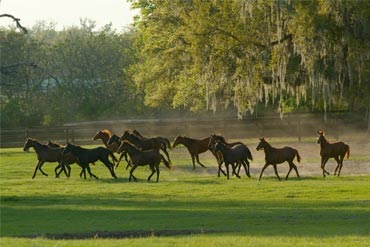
194	146
45	154
105	135
138	157
159	138
328	150
274	156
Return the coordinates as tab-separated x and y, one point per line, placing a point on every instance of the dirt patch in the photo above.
120	234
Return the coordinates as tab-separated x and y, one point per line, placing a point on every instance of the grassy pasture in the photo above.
186	208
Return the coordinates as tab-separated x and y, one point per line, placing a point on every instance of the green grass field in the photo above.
186	208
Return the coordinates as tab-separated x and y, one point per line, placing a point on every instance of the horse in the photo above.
217	138
335	150
45	154
67	160
159	138
194	146
138	157
110	141
274	156
86	156
145	144
238	153
104	135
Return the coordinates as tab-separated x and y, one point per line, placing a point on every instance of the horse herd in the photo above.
141	151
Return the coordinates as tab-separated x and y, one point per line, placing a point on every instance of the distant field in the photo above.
188	208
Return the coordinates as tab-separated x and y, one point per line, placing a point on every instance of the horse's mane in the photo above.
106	131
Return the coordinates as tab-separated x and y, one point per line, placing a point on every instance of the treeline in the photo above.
193	56
51	77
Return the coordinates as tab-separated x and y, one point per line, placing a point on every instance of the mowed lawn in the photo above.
186	207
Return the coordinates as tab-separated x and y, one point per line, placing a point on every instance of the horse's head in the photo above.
97	135
28	144
125	135
262	144
178	140
67	149
113	139
218	147
321	137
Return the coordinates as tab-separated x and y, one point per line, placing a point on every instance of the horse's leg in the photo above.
246	167
323	162
36	168
338	165
263	168
227	170
157	167
193	160
69	170
197	157
55	170
90	173
110	166
234	168
296	169
131	173
40	168
164	149
220	169
152	168
276	172
341	164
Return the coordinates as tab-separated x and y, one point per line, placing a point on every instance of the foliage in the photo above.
70	75
217	54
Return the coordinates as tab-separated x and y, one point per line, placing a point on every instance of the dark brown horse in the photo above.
145	144
194	146
159	138
274	156
45	154
138	157
237	154
86	156
217	138
328	150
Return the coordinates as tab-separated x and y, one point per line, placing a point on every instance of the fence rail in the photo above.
297	125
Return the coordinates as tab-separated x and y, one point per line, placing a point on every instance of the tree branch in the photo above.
17	20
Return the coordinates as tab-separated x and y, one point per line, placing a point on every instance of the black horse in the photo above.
237	154
138	157
274	156
86	156
145	144
328	150
217	138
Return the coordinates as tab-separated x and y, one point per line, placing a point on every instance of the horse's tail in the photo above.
249	155
347	151
297	154
166	163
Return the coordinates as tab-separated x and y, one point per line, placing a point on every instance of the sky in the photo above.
65	13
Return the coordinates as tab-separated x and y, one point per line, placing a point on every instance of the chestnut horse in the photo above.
105	135
328	150
274	156
194	146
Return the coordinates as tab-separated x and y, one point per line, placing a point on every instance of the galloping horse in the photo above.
138	157
105	135
86	156
236	154
217	138
328	150
145	144
274	156
159	138
44	154
194	146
